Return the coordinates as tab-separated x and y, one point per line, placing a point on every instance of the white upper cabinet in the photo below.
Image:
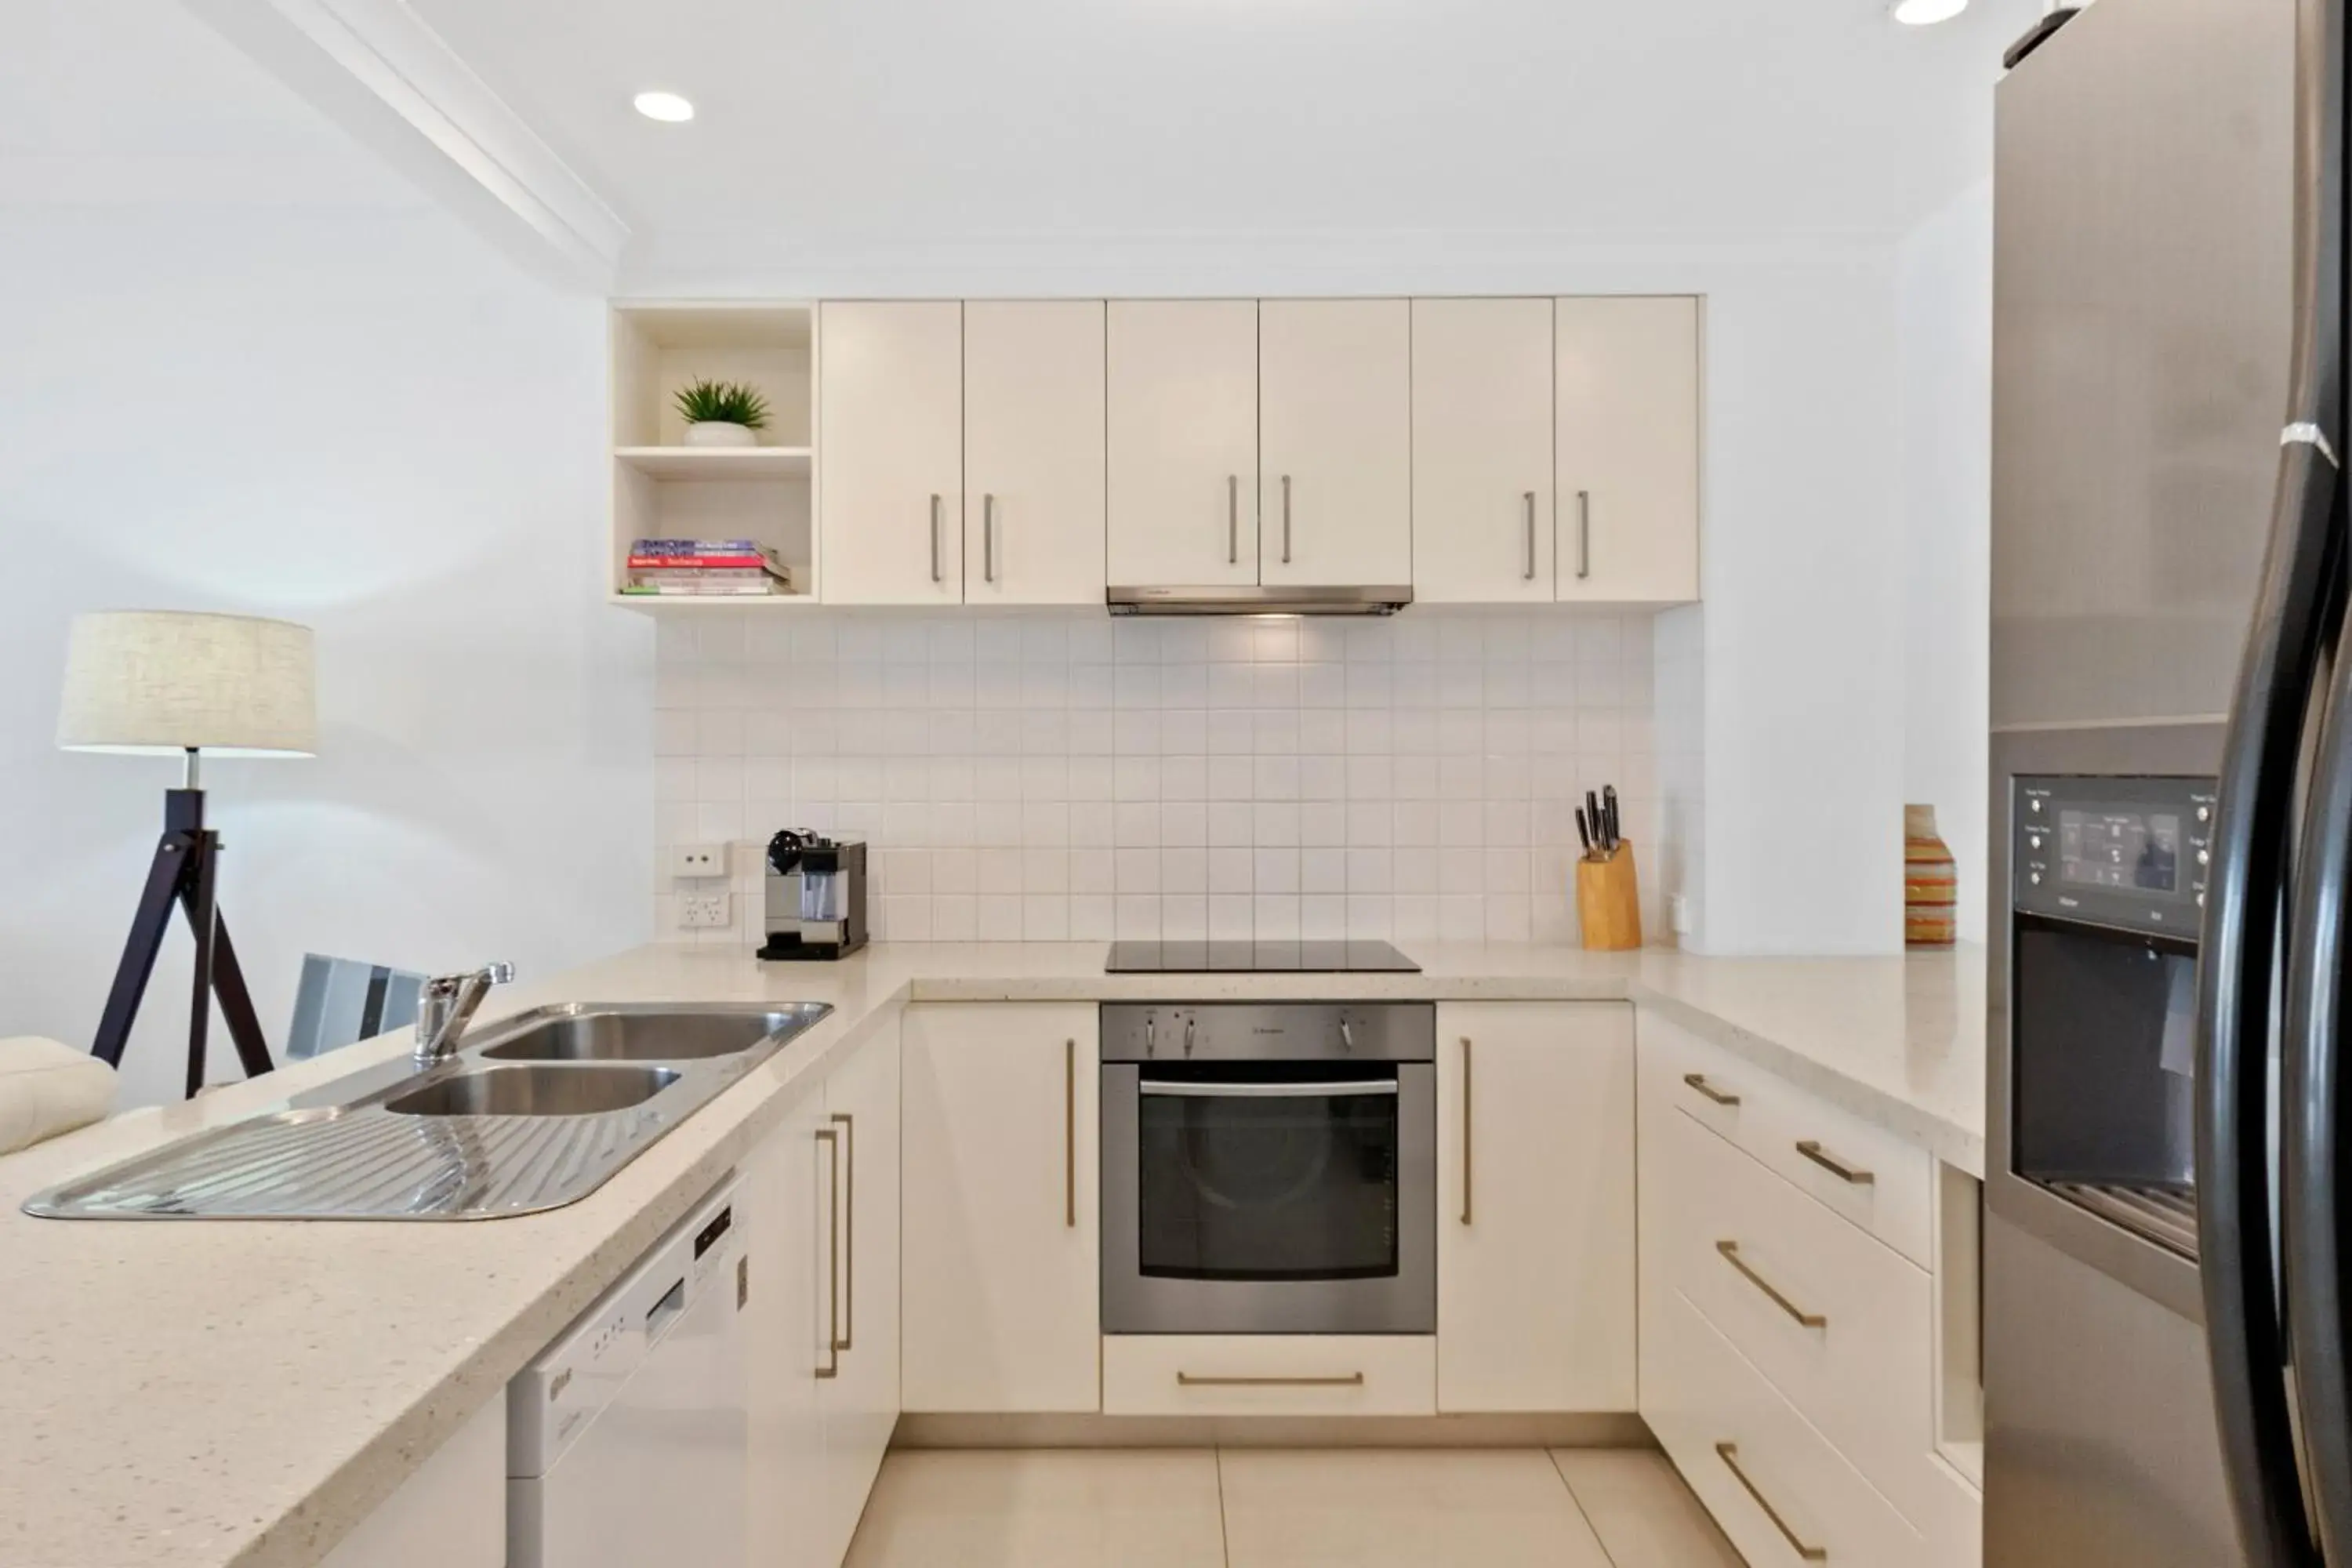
1033	501
1628	450
1334	469
890	462
1184	439
1537	1308
1484	523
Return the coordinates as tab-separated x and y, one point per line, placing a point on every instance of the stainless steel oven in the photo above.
1269	1168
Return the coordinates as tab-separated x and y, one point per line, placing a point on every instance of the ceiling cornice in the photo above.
393	83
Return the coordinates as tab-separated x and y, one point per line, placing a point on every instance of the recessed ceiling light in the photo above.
672	109
1921	13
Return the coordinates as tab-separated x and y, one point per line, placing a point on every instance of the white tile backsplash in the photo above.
1058	775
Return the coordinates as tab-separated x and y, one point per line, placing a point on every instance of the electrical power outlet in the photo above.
694	861
706	910
1678	907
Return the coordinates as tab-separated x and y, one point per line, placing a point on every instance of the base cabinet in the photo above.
821	1335
786	1339
1003	1289
1790	1350
860	1406
1536	1298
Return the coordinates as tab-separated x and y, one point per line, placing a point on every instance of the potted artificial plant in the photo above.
721	413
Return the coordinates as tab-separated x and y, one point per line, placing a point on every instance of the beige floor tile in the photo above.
1645	1515
1043	1509
1402	1509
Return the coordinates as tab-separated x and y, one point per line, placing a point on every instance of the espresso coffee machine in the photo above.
815	896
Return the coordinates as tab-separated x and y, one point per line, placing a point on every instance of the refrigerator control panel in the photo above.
2130	852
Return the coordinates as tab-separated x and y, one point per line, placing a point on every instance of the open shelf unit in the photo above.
664	489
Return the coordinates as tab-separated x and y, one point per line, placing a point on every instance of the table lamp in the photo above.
167	682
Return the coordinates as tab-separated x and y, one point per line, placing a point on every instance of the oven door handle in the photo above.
1268	1091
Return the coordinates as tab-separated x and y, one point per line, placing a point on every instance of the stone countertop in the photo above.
196	1393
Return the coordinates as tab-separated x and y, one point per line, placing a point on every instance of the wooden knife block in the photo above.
1609	900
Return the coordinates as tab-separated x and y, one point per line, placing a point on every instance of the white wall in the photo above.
358	417
1946	293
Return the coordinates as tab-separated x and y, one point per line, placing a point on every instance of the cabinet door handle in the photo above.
1697	1080
1811	1149
935	540
1070	1134
988	538
1729	1454
831	1366
1584	533
1465	1130
1529	497
1286	520
1233	520
1351	1380
1730	1251
847	1326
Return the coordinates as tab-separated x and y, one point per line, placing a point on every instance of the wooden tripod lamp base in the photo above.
183	872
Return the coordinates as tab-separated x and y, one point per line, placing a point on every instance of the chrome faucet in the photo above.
446	1004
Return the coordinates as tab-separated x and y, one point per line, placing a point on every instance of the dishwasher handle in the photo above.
666	1312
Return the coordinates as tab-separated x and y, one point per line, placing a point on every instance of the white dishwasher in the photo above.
627	1438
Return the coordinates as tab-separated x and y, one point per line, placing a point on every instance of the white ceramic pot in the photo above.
720	432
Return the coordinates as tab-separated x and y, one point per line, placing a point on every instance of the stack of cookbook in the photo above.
705	568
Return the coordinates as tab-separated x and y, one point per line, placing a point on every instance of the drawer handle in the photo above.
1465	1130
1730	1251
1811	1150
848	1325
1354	1380
1070	1134
1697	1080
1729	1454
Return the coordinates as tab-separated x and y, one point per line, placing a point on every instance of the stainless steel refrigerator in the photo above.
2166	1382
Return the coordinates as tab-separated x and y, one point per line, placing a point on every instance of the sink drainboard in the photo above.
366	1161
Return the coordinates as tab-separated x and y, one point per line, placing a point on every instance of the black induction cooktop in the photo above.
1258	958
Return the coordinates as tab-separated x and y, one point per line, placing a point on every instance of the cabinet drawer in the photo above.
1841	1325
1785	1498
1269	1374
1854	1167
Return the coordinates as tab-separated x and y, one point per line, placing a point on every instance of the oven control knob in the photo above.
2204	856
2034	877
2204	814
2034	841
2034	807
2201	899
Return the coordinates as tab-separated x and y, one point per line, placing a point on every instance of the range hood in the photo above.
1256	599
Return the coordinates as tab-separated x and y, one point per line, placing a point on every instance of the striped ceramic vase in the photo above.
1929	883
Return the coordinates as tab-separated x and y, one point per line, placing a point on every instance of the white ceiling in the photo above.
829	123
107	102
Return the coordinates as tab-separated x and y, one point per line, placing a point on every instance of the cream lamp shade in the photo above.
172	681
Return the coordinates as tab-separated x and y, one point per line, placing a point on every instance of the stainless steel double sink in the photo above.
537	1112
